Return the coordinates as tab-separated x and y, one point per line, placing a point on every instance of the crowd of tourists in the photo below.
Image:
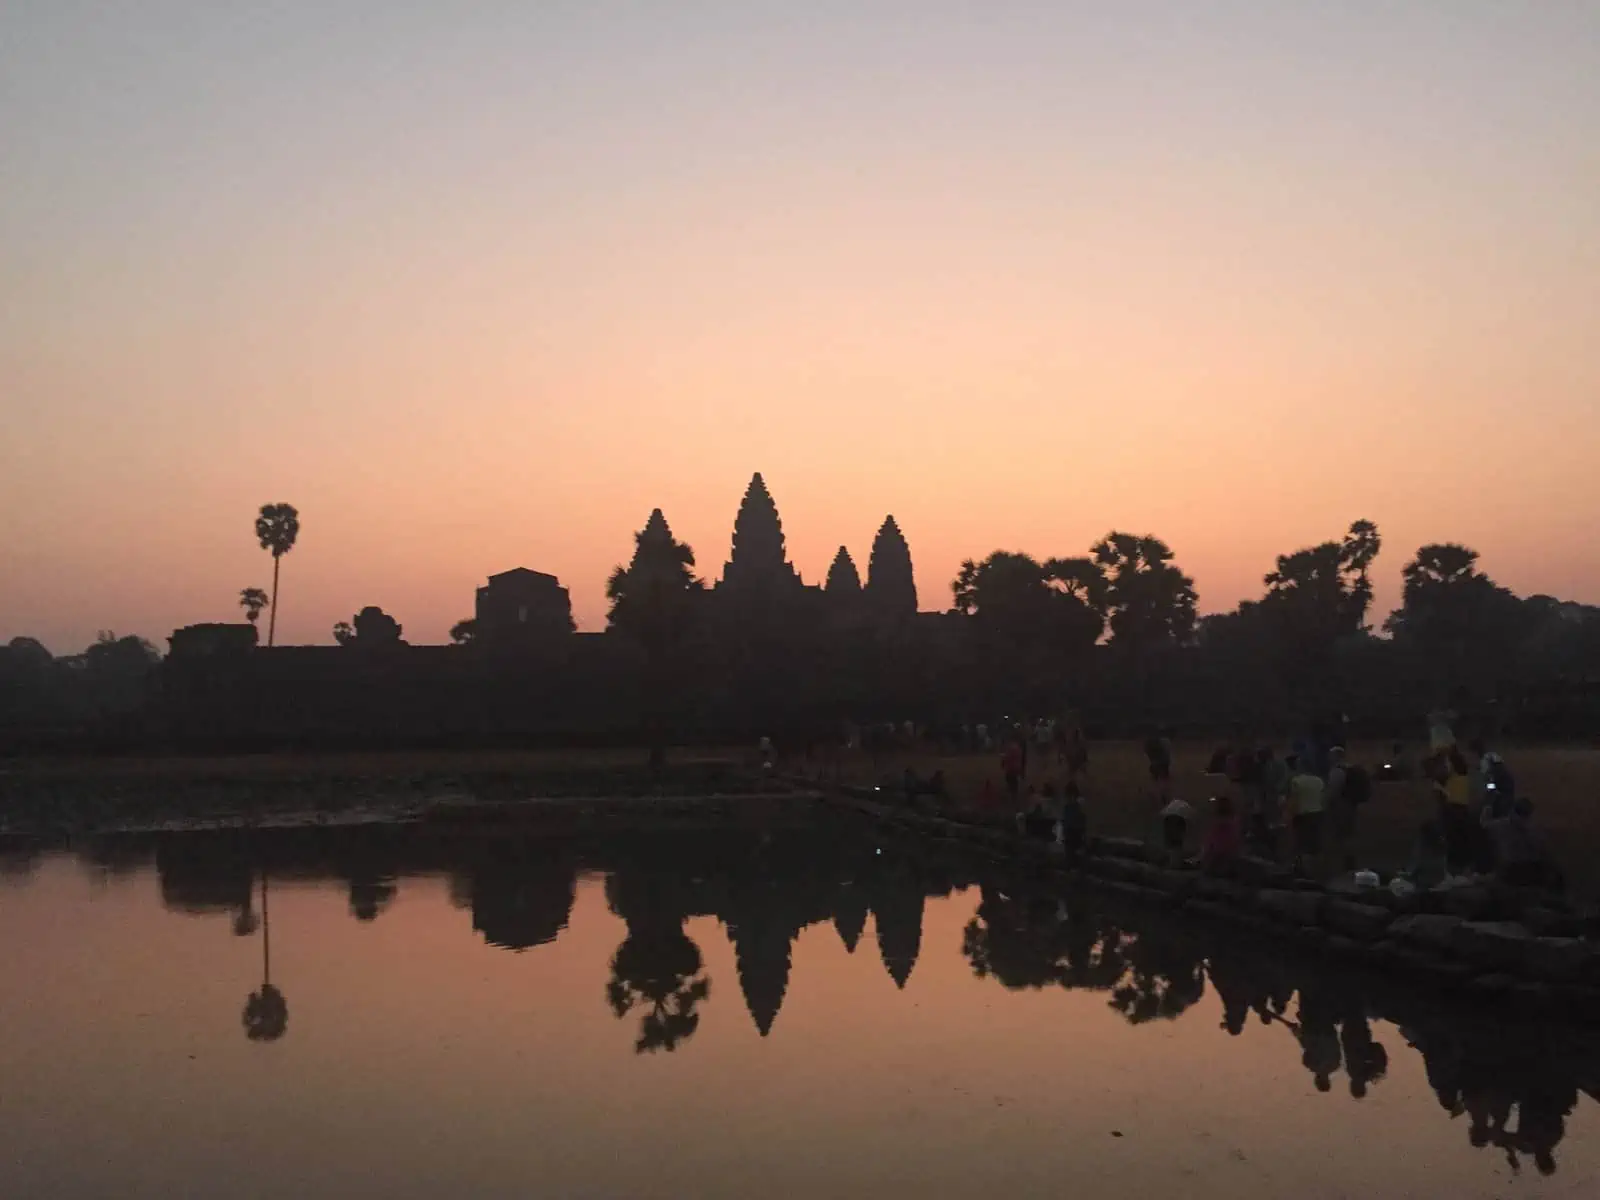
1302	808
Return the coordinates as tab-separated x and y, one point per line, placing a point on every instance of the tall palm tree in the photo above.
277	527
252	600
266	1012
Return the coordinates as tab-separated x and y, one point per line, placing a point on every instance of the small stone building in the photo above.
520	607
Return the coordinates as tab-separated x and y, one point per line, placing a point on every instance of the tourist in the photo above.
1011	764
1272	783
1073	828
1522	859
1454	799
1158	750
1077	750
1305	812
1494	788
1175	818
1219	853
1429	866
1348	787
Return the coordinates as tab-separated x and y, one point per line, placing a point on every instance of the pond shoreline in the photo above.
1505	950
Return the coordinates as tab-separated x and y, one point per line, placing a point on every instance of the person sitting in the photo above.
1035	820
1220	757
1224	841
1521	857
1073	827
1429	865
1175	818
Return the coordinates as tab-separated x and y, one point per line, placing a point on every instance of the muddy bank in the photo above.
51	801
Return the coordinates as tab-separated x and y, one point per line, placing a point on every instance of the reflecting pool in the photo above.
412	1011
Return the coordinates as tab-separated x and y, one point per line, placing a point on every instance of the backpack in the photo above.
1357	785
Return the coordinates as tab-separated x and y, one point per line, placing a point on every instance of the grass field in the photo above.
1563	782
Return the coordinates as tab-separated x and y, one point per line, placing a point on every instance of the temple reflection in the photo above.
1516	1084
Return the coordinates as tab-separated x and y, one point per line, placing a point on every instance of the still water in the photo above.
414	1012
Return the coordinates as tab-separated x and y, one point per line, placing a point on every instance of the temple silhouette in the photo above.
760	650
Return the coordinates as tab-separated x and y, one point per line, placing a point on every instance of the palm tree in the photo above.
266	1012
252	600
276	529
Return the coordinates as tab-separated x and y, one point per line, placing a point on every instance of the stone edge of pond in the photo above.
1476	942
456	811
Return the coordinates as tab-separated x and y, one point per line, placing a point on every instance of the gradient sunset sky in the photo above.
478	285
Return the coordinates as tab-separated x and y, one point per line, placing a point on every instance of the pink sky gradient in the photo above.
480	295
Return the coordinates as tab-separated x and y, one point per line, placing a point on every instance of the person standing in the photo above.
1011	760
1453	795
1306	810
1341	816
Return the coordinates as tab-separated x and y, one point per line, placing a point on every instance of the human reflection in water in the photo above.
1492	1077
266	1012
657	968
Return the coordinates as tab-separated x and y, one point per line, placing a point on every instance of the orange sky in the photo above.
481	296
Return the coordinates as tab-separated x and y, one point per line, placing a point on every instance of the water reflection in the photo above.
1514	1085
266	1012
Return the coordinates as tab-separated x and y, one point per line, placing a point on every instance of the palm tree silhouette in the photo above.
266	1012
252	600
276	529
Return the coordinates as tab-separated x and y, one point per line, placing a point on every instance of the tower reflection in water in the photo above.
1516	1084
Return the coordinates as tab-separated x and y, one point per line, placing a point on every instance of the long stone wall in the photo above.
1488	944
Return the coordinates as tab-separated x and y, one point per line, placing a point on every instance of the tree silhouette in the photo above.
653	601
277	528
1055	605
369	628
658	968
266	1012
1454	613
252	600
1150	602
843	578
464	631
891	589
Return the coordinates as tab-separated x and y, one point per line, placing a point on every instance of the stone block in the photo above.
1338	946
1432	930
1227	891
1563	959
1118	847
1548	922
1495	986
1292	908
1468	901
1363	922
1579	1001
1491	945
1311	938
1211	909
1533	997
